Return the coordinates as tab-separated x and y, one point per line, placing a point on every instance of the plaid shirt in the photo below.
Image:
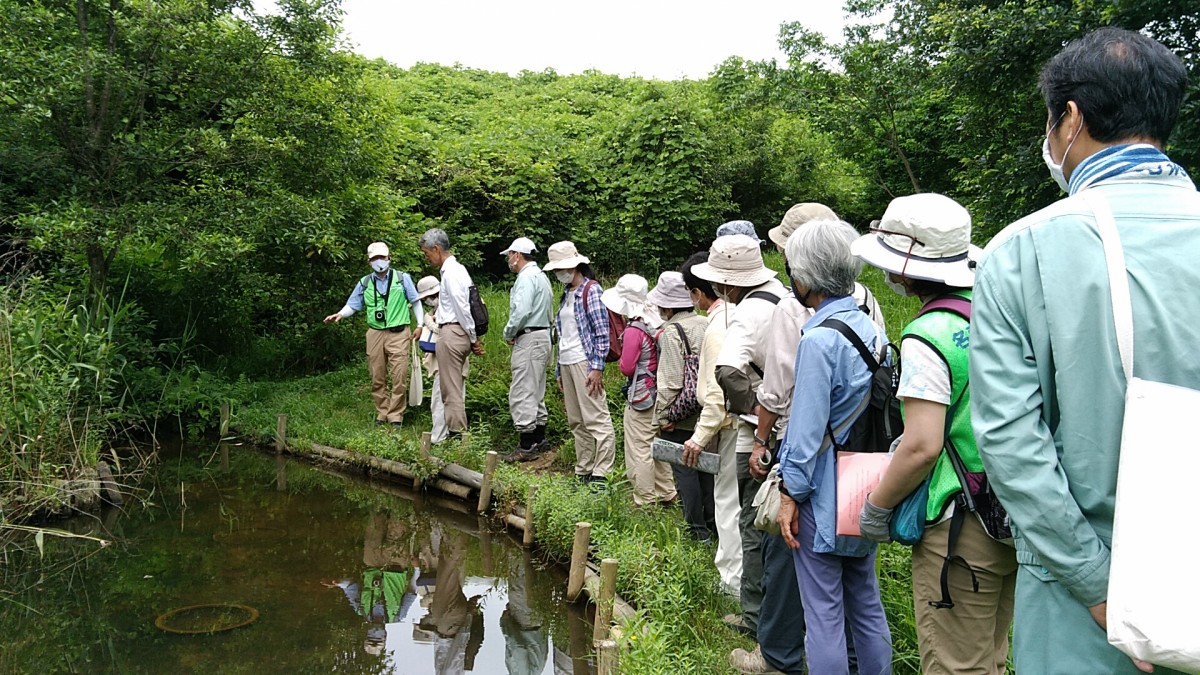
593	330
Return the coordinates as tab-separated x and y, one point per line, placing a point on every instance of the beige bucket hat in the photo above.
735	260
628	298
670	292
924	236
428	286
563	256
797	216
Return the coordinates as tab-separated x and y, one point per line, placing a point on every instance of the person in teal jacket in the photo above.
1047	386
963	610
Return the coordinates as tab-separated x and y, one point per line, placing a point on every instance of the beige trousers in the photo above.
388	352
527	393
972	636
727	507
652	481
591	425
453	348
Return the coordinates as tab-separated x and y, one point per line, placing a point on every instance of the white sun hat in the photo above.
670	292
377	249
735	260
428	286
520	245
563	256
797	216
924	236
628	298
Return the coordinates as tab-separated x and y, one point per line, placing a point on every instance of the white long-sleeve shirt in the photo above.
454	304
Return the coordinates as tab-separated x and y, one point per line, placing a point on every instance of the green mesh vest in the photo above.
950	336
394	305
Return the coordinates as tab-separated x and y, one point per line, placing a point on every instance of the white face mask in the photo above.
1056	169
380	266
564	276
896	286
430	301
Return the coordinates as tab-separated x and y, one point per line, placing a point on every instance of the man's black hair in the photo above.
692	281
1125	84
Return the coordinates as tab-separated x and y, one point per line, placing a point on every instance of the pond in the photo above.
343	575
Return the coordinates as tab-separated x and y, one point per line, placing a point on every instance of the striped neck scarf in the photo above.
1136	160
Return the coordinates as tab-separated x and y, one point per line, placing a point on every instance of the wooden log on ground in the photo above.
604	601
463	475
515	521
450	487
485	488
622	611
579	557
384	465
606	657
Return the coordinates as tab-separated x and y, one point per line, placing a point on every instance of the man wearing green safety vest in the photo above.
392	308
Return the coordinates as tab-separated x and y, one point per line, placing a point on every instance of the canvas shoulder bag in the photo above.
1150	615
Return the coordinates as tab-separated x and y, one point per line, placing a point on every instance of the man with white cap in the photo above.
736	270
528	332
393	309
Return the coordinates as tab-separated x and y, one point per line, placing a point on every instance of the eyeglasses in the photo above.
907	254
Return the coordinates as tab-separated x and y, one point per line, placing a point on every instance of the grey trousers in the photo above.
752	563
527	393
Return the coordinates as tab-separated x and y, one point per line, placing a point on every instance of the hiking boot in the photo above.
735	622
751	662
526	450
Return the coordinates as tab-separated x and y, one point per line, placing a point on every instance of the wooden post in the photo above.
280	433
528	540
224	457
224	420
604	604
280	473
485	489
579	558
426	444
606	657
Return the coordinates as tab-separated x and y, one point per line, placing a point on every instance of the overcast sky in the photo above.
661	39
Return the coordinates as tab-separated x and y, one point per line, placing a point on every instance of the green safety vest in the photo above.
950	336
394	304
390	585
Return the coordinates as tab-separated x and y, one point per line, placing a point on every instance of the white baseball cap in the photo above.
377	249
520	245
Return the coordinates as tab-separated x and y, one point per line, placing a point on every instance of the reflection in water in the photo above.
348	576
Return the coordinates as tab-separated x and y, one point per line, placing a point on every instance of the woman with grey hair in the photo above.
836	574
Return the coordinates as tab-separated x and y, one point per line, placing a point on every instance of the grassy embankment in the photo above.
663	572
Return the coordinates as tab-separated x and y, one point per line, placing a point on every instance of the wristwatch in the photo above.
761	441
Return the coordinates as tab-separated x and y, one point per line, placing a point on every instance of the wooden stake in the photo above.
604	604
280	433
606	657
426	444
224	419
224	457
579	558
528	540
485	489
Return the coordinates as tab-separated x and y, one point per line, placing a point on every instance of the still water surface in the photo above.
346	575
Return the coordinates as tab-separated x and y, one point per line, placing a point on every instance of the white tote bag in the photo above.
1153	591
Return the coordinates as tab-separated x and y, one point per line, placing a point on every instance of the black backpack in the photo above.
880	423
479	311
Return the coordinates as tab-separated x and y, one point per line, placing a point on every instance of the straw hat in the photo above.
670	292
564	256
520	245
377	249
735	260
924	236
428	286
628	298
797	216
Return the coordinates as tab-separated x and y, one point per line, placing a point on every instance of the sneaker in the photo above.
735	622
751	662
397	425
519	455
380	423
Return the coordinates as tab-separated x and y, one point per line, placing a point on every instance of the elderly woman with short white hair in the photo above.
836	574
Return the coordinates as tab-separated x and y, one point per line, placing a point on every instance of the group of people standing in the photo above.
1011	385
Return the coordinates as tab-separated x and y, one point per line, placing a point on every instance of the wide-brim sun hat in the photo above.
628	298
377	249
924	236
735	260
670	292
563	256
797	216
428	286
520	245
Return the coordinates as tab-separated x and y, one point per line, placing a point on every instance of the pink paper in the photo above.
858	473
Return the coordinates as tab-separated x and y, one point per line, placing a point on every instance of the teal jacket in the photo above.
1047	395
